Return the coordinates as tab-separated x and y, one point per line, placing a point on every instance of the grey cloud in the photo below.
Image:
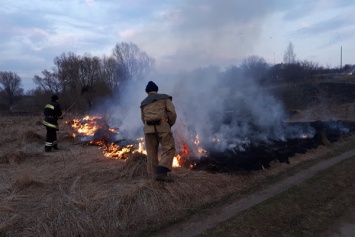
339	37
18	24
211	15
294	10
209	32
195	32
330	25
25	67
186	60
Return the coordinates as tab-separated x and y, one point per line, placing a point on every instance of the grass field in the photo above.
78	192
308	209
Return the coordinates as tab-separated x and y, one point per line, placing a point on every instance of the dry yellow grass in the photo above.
78	192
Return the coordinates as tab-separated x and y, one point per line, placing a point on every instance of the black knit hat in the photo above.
151	86
54	98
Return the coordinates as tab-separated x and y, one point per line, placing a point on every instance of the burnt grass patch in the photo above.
258	157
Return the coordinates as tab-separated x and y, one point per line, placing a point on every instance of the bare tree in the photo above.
73	73
132	64
67	70
310	68
48	82
254	67
289	55
299	71
108	69
10	87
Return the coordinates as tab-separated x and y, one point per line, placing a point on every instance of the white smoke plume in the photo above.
224	112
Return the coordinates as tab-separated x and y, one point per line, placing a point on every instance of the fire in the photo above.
90	125
197	142
95	131
304	136
185	149
178	159
112	150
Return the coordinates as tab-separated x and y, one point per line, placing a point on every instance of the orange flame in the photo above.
197	142
90	125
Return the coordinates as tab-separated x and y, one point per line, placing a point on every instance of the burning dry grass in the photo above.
79	192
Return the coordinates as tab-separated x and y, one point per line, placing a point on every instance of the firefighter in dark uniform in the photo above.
52	113
158	116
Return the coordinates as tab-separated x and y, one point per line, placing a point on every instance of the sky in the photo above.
179	34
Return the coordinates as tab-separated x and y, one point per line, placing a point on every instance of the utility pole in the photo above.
341	57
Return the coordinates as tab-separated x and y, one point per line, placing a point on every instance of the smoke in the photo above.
228	112
125	110
223	112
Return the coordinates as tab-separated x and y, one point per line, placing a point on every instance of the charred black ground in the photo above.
257	157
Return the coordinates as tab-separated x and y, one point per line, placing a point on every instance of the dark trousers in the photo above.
51	138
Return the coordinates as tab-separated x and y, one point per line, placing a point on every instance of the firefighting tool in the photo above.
83	90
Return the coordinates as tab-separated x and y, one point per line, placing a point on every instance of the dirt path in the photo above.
208	219
343	227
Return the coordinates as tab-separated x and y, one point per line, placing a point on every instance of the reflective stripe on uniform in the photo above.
49	124
49	106
49	144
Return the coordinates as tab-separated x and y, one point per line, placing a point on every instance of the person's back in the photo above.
52	112
158	116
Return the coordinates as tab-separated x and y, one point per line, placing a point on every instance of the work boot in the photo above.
164	178
162	174
47	148
55	147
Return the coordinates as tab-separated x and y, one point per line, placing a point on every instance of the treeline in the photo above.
100	78
72	75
